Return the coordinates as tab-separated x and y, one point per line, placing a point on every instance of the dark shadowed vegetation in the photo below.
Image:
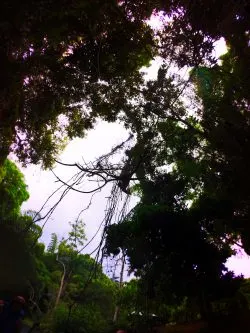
66	65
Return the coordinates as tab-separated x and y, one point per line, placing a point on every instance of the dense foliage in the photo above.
65	65
54	60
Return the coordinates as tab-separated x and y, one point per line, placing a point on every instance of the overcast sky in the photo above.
41	185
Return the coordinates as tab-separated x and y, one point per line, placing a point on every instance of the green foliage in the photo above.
83	319
77	234
59	59
186	220
53	244
86	305
67	64
18	234
13	190
87	296
65	68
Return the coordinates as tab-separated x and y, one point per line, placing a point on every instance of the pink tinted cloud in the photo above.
240	263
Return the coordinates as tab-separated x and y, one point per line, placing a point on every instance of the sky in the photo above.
41	184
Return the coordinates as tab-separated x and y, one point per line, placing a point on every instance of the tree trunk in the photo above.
61	284
117	308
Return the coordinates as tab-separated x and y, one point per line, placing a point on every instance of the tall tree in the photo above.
178	223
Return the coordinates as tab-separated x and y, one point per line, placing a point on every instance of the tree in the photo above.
204	143
52	247
190	160
174	255
13	190
84	295
54	61
169	233
61	67
225	103
77	234
18	234
190	30
67	254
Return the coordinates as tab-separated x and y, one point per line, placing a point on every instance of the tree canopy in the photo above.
54	58
60	67
64	66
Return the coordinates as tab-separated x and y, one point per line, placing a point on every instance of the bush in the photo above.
83	319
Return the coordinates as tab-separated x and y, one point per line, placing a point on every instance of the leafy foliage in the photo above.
18	233
13	190
180	235
54	59
64	66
